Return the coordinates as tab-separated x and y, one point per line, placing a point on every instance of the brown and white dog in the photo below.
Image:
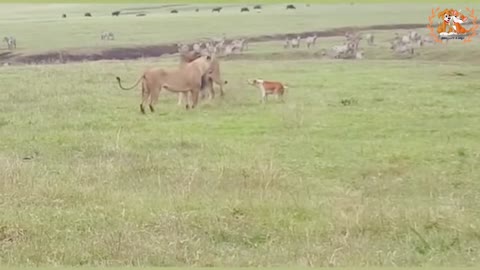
269	88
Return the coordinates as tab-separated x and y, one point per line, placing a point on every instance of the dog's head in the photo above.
254	82
446	14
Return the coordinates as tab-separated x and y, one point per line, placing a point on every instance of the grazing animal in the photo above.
286	43
231	48
217	9
291	6
369	37
359	54
115	13
352	42
196	47
310	41
239	44
353	38
269	88
244	9
414	36
11	42
244	44
174	11
345	51
107	35
405	39
401	47
210	48
340	50
88	14
295	42
189	78
182	47
64	15
257	7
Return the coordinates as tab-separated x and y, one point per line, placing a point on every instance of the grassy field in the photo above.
389	181
40	27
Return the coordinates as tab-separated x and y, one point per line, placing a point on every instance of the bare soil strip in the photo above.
126	53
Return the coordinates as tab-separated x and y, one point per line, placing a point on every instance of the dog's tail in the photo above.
130	88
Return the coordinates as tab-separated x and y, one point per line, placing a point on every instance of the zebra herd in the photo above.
400	44
406	44
350	48
347	50
295	42
11	42
218	46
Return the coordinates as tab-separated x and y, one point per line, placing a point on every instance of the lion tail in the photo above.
129	88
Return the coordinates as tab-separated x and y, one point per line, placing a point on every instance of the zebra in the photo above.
241	44
107	35
311	40
295	43
369	37
11	42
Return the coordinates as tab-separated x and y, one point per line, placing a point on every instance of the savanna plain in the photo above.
391	179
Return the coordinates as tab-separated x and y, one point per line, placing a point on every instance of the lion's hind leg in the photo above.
195	93
187	97
145	96
154	94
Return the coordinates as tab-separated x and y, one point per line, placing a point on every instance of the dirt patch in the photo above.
6	55
66	56
162	49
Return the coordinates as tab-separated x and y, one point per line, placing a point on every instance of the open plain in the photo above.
368	162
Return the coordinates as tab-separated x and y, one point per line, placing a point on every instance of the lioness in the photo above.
185	79
211	77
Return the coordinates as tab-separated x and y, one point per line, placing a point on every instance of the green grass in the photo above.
389	181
